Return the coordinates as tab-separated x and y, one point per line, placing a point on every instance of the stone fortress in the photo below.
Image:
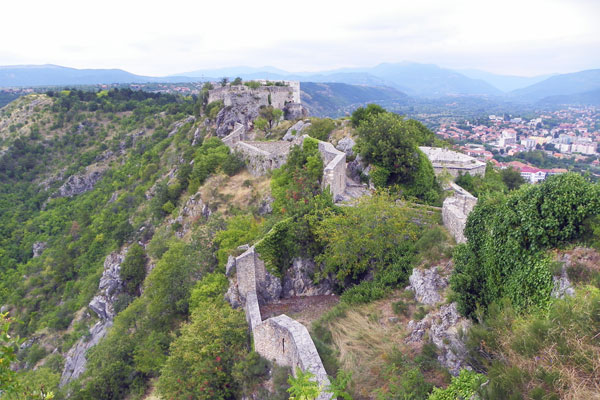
457	207
280	339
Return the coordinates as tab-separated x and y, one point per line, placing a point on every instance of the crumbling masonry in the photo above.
280	339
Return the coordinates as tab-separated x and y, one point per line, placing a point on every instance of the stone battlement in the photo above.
280	339
453	162
456	210
276	96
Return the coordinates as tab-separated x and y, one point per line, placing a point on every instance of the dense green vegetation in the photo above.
389	143
504	256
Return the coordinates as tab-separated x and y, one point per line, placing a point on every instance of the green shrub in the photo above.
133	268
321	128
463	386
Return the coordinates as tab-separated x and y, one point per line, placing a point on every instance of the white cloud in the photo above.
157	37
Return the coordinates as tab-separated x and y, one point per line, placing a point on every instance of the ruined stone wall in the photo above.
334	172
260	161
279	95
453	162
237	135
288	343
280	339
455	211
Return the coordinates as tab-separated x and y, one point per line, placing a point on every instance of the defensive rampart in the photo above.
453	162
455	211
279	339
276	96
334	172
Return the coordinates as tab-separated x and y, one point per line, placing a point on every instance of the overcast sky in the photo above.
523	37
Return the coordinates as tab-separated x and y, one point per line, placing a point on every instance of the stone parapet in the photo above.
288	343
456	210
279	339
334	172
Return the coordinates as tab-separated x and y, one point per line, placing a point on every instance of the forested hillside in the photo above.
121	212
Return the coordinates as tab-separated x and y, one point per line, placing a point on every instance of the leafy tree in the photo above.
133	268
373	235
201	360
271	115
236	82
363	113
512	178
388	141
321	128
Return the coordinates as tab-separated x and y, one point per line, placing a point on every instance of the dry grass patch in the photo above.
241	191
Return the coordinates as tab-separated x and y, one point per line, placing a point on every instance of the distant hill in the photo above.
334	99
586	98
429	80
423	80
560	85
48	75
505	83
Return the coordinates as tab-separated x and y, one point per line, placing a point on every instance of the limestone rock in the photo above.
293	111
445	326
75	360
179	124
197	137
266	205
346	145
110	287
232	296
230	267
427	284
296	130
562	285
78	184
297	280
269	289
243	111
38	248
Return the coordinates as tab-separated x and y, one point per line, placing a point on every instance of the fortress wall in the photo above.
259	161
456	210
280	95
455	170
280	339
334	172
287	342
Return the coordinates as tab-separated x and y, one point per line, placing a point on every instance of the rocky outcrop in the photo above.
298	281
296	130
110	287
102	304
179	124
293	111
38	248
243	111
562	285
75	360
80	183
427	285
266	205
346	145
445	328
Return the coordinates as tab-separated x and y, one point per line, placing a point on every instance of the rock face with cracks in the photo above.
427	284
102	304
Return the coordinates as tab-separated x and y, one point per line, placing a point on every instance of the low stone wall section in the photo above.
259	161
334	172
456	210
453	162
287	342
237	135
280	339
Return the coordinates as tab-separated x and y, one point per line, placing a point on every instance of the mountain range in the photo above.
406	78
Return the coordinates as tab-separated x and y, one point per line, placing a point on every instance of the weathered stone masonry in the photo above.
455	211
280	339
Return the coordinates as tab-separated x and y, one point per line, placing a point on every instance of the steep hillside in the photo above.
337	99
136	247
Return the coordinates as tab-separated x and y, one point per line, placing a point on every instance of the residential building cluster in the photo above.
562	133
